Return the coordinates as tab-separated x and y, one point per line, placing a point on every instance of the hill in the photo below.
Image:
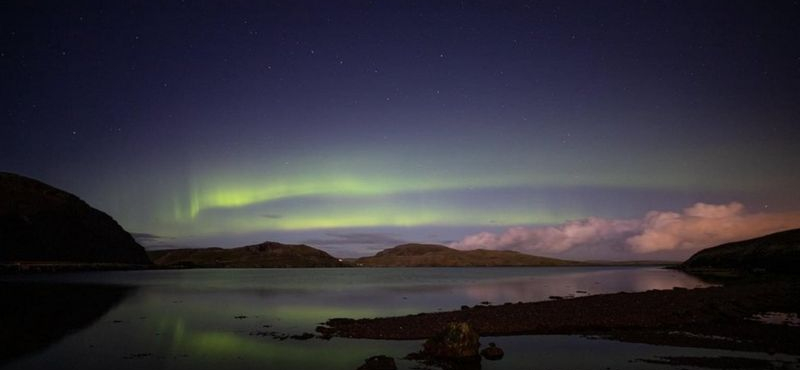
631	262
432	255
39	223
778	252
267	254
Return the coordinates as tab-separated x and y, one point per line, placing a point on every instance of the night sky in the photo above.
616	130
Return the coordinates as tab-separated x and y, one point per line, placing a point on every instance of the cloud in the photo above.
156	247
699	226
356	239
155	242
705	225
551	239
148	238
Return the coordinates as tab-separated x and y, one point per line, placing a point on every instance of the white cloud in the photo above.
699	226
706	225
551	239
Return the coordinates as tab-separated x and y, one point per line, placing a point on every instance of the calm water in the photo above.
208	319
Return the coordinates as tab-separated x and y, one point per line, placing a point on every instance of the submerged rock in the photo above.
492	352
457	340
304	336
378	363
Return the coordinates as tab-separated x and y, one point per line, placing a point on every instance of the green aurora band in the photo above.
313	191
332	202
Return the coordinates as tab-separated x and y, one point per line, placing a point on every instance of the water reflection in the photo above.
36	315
210	319
539	288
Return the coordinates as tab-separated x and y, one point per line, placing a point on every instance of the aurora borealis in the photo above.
358	125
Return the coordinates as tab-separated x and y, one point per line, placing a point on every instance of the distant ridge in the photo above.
267	254
434	255
778	252
632	262
40	223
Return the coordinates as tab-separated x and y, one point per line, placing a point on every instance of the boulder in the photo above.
492	352
457	340
378	363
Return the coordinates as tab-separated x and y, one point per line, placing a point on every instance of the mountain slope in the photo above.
778	252
432	255
41	223
267	254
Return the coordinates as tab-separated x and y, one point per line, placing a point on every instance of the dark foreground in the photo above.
717	317
35	315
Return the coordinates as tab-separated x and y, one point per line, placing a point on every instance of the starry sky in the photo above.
579	129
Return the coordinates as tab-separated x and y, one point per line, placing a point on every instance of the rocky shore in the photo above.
724	317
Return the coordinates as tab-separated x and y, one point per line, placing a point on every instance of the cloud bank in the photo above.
699	226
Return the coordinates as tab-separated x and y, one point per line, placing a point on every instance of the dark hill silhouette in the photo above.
778	252
267	254
433	255
39	223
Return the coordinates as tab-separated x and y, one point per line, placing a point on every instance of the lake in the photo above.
241	318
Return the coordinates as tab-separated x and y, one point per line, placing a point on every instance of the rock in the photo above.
458	340
492	352
137	355
304	336
279	336
378	363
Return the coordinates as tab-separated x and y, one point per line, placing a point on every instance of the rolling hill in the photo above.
778	252
267	254
433	255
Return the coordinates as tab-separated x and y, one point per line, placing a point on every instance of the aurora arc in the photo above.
361	202
369	186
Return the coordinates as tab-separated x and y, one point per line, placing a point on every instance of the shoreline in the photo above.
50	267
715	317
